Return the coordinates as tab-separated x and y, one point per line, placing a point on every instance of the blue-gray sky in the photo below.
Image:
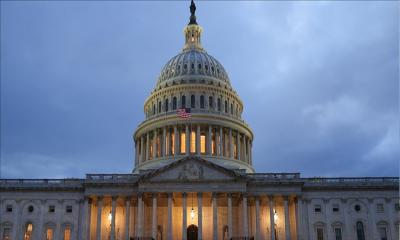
319	81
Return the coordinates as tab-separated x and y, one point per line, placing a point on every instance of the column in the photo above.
142	154
220	142
155	144
371	218
113	210
169	220
163	142
248	150
209	141
245	219
127	216
238	145
329	230
168	143
198	150
184	216
140	215
250	153
244	149
187	138
217	143
99	209
230	144
136	152
229	216
298	214
176	139
258	235
200	216
147	147
215	216
287	220
154	217
86	218
271	217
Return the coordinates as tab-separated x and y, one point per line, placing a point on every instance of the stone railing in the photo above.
372	180
110	177
274	176
41	183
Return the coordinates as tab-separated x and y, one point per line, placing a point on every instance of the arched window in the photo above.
67	232
210	102
202	101
174	103
28	231
192	101
154	109
166	105
159	106
219	104
226	106
231	108
183	101
360	231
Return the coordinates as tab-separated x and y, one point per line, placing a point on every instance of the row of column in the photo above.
139	231
195	139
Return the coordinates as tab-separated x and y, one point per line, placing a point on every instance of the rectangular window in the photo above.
9	208
317	208
320	234
49	234
203	143
382	233
338	233
193	142
379	207
335	208
183	142
51	209
68	209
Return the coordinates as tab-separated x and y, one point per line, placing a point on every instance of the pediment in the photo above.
191	169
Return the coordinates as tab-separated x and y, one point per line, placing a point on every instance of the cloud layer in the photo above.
319	81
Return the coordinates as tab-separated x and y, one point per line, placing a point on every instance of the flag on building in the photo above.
184	112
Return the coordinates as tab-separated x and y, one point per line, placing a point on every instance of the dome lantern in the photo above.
192	31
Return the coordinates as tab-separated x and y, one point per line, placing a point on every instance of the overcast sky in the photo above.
319	82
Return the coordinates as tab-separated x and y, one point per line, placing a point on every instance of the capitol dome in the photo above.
193	110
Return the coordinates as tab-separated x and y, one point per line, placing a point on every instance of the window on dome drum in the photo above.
338	233
203	143
357	208
199	66
183	101
210	102
154	109
30	209
382	233
226	106
379	208
219	104
9	208
49	234
206	67
335	208
67	232
166	105
317	208
28	231
192	101
231	108
179	68
185	66
183	142
192	66
202	101
52	209
6	233
212	69
360	231
68	209
174	103
193	142
320	234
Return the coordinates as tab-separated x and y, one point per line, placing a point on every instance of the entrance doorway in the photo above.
192	232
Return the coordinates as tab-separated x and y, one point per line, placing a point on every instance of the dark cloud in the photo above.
319	81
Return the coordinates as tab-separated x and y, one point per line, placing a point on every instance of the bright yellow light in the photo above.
202	143
192	214
109	217
183	142
275	216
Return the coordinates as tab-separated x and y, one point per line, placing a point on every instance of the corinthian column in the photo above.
198	150
221	142
258	236
200	216
163	142
169	217
238	145
229	215
209	141
113	210
215	215
271	216
245	219
176	141
142	154
127	216
230	144
187	138
98	225
147	147
287	220
184	217
155	144
154	217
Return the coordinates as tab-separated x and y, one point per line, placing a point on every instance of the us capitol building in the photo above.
194	178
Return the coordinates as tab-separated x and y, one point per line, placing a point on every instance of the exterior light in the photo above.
109	217
192	214
275	216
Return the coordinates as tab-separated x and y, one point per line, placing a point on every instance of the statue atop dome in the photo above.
192	13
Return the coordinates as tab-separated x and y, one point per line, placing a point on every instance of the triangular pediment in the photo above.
191	168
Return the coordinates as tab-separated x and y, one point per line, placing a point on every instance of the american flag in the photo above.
184	112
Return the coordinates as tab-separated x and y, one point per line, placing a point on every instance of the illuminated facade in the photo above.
194	179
